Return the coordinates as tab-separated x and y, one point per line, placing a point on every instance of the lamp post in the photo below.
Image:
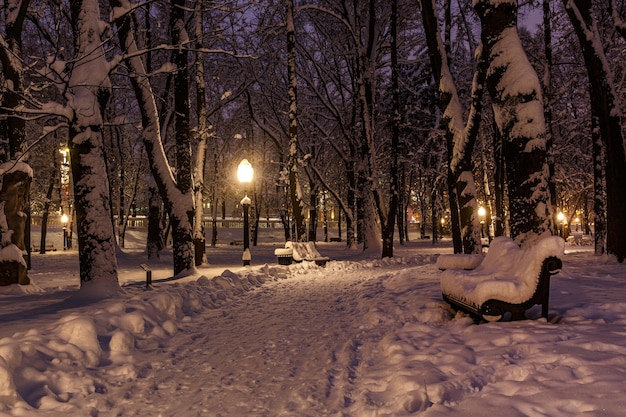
481	215
64	220
560	217
244	174
443	222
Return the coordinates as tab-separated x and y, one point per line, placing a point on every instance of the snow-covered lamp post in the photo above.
244	174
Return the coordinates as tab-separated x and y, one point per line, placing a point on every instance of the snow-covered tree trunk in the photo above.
295	189
389	225
518	110
607	119
202	136
367	48
546	83
179	204
462	136
599	189
12	66
154	242
87	94
182	235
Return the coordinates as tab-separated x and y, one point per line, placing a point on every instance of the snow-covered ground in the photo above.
360	337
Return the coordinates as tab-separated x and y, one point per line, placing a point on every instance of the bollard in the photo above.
148	274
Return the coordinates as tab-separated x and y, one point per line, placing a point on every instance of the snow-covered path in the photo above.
359	338
288	348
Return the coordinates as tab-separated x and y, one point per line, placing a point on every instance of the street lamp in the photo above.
64	220
560	217
244	174
481	215
443	222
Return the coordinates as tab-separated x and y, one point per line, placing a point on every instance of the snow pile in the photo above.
39	368
356	338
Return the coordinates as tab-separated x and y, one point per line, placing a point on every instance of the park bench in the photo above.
298	252
508	281
49	247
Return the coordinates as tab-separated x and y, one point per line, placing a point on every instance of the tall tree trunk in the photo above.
179	204
549	99
518	109
46	208
202	133
121	214
10	56
295	188
89	91
599	189
313	203
351	238
182	238
499	180
154	243
460	137
366	81
394	183
606	114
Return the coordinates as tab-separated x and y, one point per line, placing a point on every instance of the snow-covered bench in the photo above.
298	252
508	280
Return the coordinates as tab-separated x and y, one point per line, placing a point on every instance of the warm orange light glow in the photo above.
245	171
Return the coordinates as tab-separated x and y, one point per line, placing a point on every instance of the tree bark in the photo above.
460	137
10	56
182	235
389	225
202	136
295	188
518	110
88	92
178	203
606	118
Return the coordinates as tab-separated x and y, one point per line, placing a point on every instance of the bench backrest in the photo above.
506	259
303	251
505	255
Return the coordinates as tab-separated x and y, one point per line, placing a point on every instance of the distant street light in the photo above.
560	217
244	174
481	215
64	220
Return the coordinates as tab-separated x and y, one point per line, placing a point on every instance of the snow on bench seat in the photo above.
509	279
300	251
459	261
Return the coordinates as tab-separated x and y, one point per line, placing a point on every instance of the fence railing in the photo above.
141	222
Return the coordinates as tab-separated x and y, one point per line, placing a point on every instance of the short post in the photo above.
148	274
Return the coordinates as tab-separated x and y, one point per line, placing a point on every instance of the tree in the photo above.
178	202
202	137
12	64
606	122
295	189
461	138
389	223
88	91
517	103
